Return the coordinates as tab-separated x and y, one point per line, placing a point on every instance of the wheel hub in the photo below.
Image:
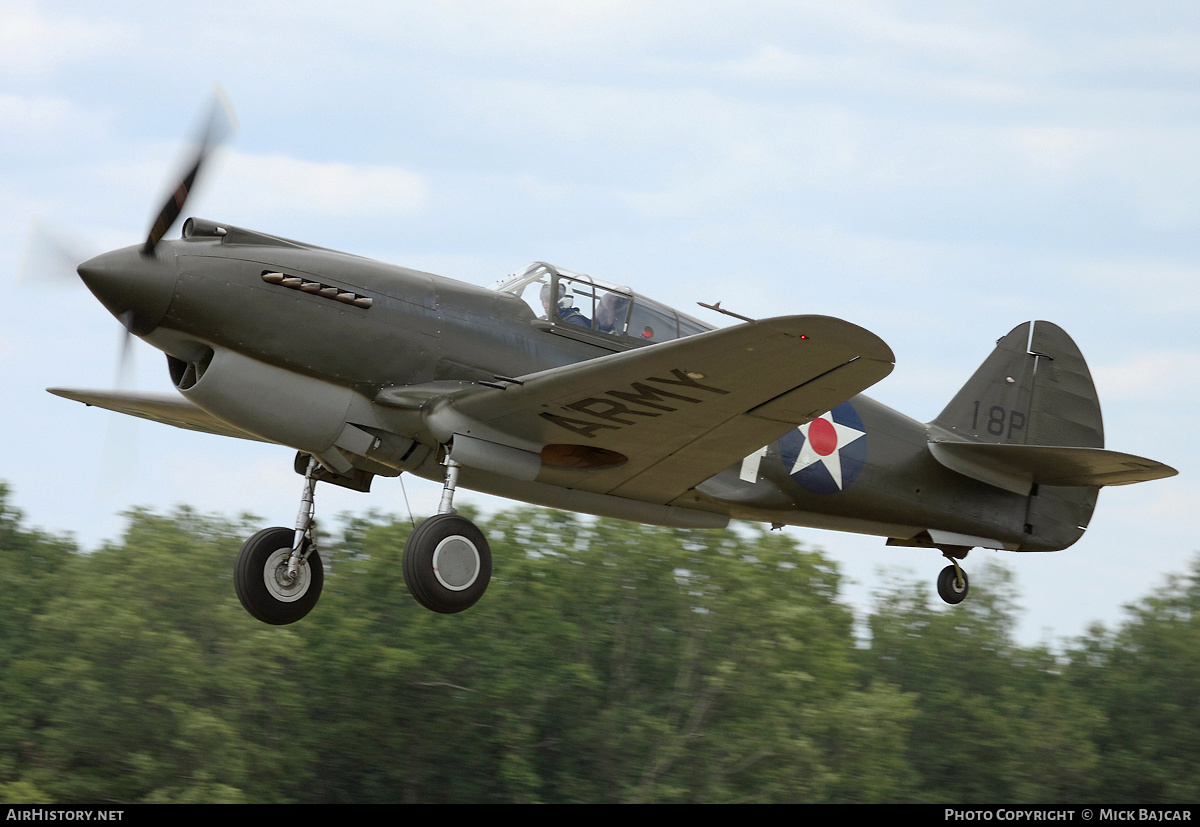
283	588
456	563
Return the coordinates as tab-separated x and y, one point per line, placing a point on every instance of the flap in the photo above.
170	410
651	423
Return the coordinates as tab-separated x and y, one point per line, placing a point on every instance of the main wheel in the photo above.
447	564
948	587
260	577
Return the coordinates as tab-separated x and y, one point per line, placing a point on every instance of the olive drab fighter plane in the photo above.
562	390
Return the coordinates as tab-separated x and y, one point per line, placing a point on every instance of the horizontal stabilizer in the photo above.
158	407
1018	467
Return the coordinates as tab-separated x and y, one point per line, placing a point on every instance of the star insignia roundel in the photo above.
826	455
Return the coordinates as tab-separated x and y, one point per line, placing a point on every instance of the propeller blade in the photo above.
120	455
219	124
125	360
50	256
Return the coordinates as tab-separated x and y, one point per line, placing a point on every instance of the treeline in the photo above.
608	662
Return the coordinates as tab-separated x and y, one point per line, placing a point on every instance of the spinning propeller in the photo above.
117	278
217	127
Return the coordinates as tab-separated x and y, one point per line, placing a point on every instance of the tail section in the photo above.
1035	389
1029	422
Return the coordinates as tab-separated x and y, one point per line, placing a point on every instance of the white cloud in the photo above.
1173	503
1170	52
22	115
868	72
1054	149
939	36
1143	286
1161	372
33	41
279	183
538	30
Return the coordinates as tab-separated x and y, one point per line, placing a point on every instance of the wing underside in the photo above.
170	410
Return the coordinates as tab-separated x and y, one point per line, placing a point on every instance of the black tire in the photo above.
255	576
447	564
948	589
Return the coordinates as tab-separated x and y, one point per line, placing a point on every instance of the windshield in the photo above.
565	297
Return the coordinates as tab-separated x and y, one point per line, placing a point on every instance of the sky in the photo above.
937	172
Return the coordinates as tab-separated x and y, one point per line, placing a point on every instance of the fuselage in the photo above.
295	344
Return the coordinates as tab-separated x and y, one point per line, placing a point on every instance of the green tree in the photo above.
996	721
1145	678
35	567
608	662
160	688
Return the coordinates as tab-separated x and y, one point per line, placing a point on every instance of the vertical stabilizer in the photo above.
1034	389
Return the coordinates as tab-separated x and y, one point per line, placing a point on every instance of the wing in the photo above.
171	410
651	423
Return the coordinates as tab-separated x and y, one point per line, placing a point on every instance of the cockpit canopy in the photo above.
564	297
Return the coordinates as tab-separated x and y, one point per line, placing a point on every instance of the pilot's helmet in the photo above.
610	312
564	297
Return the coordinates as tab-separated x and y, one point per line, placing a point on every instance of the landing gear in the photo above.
447	564
264	585
952	584
447	561
278	574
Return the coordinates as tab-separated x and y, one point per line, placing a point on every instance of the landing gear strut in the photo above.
278	574
447	561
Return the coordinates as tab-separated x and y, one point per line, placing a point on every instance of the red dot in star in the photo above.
822	437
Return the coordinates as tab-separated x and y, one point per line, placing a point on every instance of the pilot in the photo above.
610	313
566	313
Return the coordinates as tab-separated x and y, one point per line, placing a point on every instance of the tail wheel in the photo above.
950	588
260	576
447	564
